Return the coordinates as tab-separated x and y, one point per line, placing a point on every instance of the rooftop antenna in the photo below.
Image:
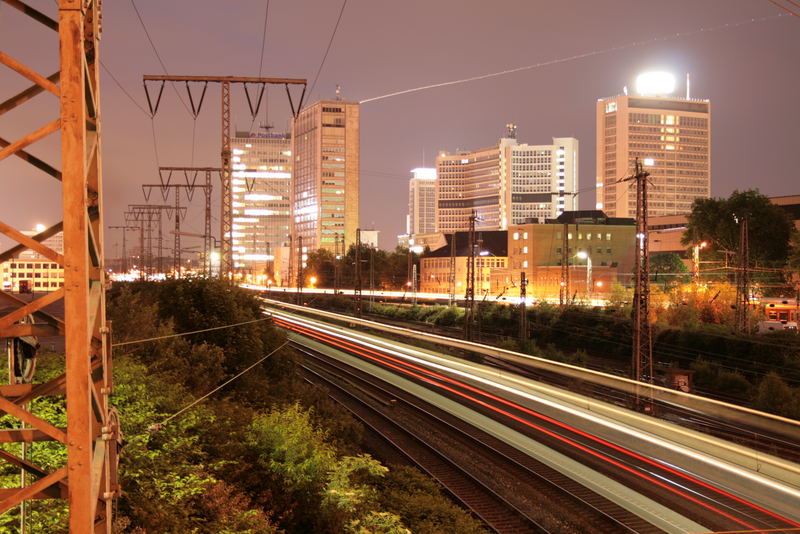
338	92
511	131
688	84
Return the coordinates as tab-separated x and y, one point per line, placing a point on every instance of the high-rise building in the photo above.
544	179
421	201
508	183
670	135
261	198
325	199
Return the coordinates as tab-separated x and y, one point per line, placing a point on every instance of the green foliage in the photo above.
161	472
340	489
418	501
775	396
714	220
667	268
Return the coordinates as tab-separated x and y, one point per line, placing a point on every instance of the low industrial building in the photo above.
599	253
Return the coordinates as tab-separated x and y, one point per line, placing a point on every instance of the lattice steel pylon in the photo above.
88	479
179	213
743	277
563	292
357	276
469	294
642	364
208	237
227	263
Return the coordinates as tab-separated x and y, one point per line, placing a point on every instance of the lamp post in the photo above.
696	261
585	256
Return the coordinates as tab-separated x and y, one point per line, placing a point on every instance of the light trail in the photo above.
405	358
632	432
575	57
364	353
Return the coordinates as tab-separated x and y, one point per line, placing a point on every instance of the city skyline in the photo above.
745	70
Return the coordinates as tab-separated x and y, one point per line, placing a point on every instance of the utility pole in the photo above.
290	274
523	312
743	278
336	260
357	289
124	263
414	284
451	279
469	296
227	265
642	365
371	277
180	213
299	270
190	175
563	294
88	478
150	215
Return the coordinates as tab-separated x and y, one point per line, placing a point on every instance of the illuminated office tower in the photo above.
325	200
261	193
508	183
669	134
422	202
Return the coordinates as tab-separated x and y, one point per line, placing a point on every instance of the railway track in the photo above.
562	504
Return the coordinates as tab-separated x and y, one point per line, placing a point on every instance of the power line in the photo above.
576	57
261	61
263	40
158	56
146	340
341	11
135	103
786	8
158	426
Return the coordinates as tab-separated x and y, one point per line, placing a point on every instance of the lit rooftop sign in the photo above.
655	83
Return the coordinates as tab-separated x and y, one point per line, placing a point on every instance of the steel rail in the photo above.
556	485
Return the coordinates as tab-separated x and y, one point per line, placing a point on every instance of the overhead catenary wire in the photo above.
181	334
788	10
122	88
328	49
261	59
159	426
575	57
158	56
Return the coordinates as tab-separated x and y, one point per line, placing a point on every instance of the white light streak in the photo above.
670	37
425	359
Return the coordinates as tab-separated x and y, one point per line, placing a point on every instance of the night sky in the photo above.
749	69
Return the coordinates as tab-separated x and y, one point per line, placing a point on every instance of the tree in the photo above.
321	263
667	267
715	220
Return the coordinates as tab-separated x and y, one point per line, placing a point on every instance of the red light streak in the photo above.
382	358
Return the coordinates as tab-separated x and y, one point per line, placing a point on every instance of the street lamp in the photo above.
696	261
585	256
